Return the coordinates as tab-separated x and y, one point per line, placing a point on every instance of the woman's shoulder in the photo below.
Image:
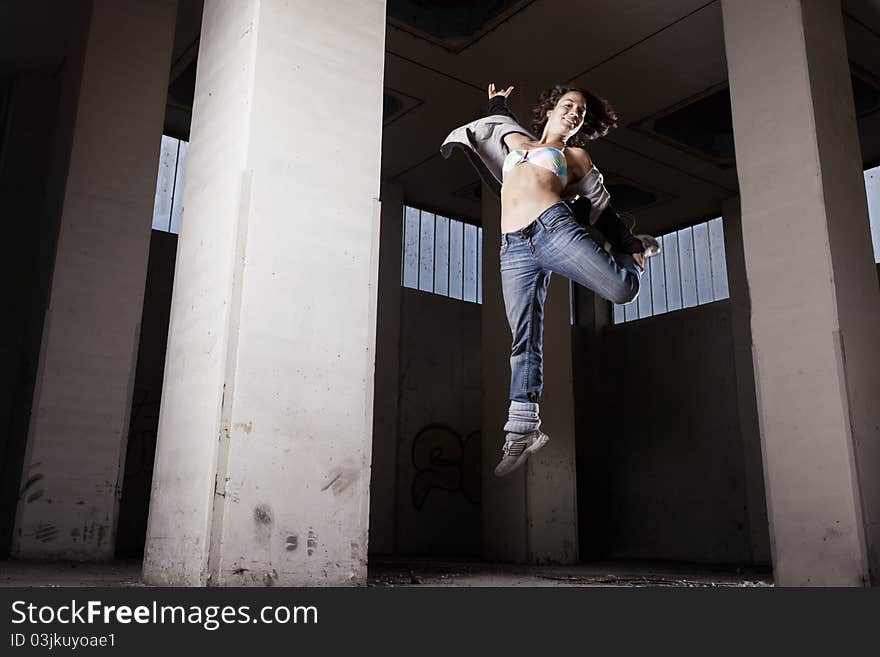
579	155
517	141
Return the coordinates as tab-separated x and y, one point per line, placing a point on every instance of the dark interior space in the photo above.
659	459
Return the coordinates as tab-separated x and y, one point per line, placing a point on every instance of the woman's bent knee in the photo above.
625	293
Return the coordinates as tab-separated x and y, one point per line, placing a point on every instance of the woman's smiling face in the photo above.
568	115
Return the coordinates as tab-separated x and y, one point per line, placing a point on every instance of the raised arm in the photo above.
498	105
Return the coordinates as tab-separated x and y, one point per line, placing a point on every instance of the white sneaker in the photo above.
652	246
517	452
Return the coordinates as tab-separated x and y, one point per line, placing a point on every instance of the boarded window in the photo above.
442	255
689	271
692	270
168	206
872	188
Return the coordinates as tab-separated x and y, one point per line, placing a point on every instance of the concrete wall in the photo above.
24	270
73	465
662	472
438	491
425	476
41	95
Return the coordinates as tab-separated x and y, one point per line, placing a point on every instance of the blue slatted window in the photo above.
442	255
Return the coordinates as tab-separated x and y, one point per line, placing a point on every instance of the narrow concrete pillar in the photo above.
747	408
263	455
383	478
551	487
814	296
72	475
503	501
531	515
592	315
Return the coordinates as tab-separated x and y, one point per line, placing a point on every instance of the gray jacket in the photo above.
483	143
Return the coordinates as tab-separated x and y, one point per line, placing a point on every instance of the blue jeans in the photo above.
554	242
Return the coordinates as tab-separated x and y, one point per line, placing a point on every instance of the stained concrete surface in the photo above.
394	572
253	345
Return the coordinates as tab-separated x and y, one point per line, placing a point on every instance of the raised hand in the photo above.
493	92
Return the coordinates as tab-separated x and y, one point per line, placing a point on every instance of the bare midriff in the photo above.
527	191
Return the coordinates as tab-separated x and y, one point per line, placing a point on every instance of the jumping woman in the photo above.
550	189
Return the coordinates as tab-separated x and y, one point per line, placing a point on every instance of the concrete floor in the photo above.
421	572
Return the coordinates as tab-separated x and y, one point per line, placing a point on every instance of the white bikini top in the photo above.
483	143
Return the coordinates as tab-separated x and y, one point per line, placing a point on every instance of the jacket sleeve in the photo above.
498	105
482	141
609	224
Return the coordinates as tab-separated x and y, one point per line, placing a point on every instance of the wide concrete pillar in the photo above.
263	455
531	515
73	466
814	298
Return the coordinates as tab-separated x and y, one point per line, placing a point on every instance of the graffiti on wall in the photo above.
445	460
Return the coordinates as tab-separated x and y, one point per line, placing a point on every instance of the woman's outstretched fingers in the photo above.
494	92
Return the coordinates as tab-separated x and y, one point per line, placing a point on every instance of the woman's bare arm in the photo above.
513	140
609	223
581	160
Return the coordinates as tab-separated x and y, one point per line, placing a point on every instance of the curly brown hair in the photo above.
599	119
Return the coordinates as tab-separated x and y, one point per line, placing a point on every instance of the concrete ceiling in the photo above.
29	42
646	57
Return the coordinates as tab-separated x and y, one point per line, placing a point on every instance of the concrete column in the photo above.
263	456
531	515
72	475
503	501
814	296
595	431
551	487
383	479
740	319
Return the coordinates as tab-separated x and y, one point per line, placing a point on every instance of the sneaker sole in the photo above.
542	440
